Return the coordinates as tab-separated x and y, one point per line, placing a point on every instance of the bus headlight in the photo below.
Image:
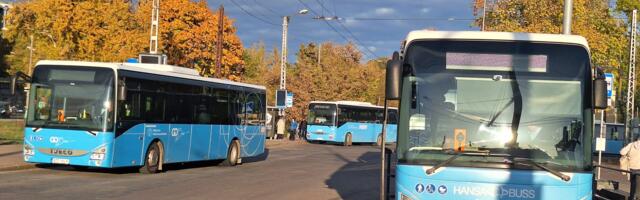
28	150
98	154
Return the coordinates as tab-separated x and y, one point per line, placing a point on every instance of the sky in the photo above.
364	22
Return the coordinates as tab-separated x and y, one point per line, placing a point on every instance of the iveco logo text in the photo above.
501	192
64	152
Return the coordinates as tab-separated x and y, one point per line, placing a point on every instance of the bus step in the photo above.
613	194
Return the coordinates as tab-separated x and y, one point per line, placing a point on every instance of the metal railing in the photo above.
633	180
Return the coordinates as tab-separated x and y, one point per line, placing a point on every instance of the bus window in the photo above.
253	110
220	106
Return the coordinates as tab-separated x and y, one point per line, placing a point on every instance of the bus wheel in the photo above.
232	155
152	160
379	141
347	140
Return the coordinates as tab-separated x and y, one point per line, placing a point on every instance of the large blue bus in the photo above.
349	122
106	115
494	115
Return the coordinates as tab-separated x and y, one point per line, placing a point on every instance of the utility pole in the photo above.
220	41
632	79
30	54
155	16
484	9
566	19
319	52
283	59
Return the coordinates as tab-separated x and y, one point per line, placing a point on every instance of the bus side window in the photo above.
220	106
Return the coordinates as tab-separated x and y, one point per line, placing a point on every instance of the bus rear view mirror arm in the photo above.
14	81
393	82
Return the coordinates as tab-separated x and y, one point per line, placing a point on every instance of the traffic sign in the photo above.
289	102
608	77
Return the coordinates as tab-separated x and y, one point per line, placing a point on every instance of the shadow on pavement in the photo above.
357	179
166	167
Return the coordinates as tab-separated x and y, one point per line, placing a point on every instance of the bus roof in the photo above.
499	36
165	70
350	103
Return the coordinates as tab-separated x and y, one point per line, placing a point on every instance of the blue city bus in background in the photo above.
349	122
107	115
614	135
494	115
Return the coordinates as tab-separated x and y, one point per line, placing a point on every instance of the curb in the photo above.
18	167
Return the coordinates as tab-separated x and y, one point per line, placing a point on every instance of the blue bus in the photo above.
614	133
107	115
349	122
494	115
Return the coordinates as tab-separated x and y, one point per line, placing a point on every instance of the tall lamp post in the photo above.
283	59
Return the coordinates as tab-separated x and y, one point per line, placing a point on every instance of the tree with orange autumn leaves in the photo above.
112	31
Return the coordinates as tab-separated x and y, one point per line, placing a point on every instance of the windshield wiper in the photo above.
456	155
562	176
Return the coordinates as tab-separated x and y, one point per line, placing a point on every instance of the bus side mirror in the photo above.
600	93
393	82
122	90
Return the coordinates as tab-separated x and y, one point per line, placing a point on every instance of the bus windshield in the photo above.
321	114
71	98
520	99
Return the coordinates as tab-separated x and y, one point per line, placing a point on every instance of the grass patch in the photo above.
11	131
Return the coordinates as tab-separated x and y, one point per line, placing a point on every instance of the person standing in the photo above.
630	160
303	129
280	128
293	127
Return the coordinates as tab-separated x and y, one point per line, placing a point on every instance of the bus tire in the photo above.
348	141
233	155
152	159
379	140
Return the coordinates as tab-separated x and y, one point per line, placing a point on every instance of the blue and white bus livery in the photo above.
107	115
348	122
494	115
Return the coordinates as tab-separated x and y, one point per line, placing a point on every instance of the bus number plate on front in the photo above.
60	161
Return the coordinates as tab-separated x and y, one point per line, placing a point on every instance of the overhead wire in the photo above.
349	31
326	22
251	14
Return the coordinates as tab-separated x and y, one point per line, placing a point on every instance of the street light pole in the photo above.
30	54
484	8
283	59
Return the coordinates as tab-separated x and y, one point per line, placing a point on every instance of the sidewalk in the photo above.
11	154
11	158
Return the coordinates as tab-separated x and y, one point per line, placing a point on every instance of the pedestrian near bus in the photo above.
280	128
302	129
630	160
293	128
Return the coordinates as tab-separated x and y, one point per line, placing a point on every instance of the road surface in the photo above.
288	171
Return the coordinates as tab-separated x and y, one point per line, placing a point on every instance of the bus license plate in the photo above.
60	161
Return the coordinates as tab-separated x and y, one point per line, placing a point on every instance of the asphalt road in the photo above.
290	171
